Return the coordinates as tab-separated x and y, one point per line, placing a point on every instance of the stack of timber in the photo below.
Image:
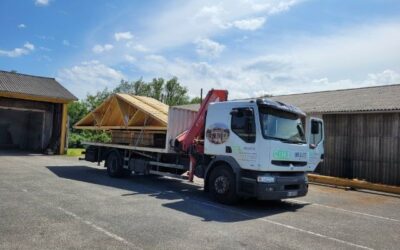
131	120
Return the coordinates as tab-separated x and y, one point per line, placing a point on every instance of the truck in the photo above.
258	148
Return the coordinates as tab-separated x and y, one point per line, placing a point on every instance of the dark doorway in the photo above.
22	129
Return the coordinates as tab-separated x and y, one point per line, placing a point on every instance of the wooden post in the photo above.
63	128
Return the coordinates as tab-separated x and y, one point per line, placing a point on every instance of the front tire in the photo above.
222	185
114	166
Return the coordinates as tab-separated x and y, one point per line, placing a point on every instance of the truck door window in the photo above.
243	124
317	138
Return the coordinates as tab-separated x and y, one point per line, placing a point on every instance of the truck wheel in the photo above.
114	166
222	185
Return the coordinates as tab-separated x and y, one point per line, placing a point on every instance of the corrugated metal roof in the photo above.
377	98
33	85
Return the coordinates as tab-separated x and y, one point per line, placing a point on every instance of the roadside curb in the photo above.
357	184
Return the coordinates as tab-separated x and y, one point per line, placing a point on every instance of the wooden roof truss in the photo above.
123	111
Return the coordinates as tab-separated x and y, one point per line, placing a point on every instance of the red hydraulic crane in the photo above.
187	141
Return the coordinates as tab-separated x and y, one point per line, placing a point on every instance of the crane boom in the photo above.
196	130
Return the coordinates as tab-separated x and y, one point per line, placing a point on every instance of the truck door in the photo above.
316	142
242	143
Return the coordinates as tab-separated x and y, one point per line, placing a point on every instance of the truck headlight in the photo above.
265	179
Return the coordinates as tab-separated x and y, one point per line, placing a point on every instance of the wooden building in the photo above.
362	131
33	113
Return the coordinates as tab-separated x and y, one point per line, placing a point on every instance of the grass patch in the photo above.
75	151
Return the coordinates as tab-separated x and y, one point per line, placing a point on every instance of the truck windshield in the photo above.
281	125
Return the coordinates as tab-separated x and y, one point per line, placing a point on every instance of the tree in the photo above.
195	100
76	111
124	87
141	88
175	94
93	101
157	86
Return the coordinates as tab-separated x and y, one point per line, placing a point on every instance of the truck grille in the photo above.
289	163
292	187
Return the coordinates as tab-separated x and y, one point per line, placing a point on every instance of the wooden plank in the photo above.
157	114
123	127
63	128
123	110
143	149
154	103
33	97
353	183
137	119
127	111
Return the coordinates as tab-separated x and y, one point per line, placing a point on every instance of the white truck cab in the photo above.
273	145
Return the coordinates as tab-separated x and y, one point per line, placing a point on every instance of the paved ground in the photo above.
50	202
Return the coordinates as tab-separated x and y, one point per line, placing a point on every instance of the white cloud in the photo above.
137	46
249	24
208	48
123	36
21	26
102	48
387	76
355	57
130	58
29	46
272	7
360	55
25	50
42	2
89	77
180	22
267	75
66	43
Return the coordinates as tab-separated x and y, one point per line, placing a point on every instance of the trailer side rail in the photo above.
110	145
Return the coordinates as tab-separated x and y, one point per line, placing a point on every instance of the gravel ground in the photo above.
53	202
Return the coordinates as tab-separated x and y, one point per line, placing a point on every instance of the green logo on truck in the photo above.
281	155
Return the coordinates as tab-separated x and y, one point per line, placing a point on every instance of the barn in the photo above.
362	131
33	113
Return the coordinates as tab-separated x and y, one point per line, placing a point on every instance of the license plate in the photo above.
292	193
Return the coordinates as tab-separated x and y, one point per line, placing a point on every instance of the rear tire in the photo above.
222	185
114	166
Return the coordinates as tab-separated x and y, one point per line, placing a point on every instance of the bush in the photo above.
76	138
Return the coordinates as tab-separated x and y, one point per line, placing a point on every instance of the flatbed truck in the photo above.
249	148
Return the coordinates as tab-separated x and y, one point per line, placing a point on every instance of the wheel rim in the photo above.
221	184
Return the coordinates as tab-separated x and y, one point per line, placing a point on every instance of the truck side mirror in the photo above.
314	127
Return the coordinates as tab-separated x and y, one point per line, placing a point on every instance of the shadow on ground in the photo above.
18	152
184	197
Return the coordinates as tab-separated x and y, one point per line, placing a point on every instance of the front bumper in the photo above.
286	185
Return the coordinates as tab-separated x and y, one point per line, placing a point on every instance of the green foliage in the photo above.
76	111
175	94
195	100
93	101
76	138
170	92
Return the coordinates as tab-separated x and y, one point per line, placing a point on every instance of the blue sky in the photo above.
249	47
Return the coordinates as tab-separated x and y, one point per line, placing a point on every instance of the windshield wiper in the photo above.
287	140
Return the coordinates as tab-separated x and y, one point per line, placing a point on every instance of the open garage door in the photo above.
22	129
